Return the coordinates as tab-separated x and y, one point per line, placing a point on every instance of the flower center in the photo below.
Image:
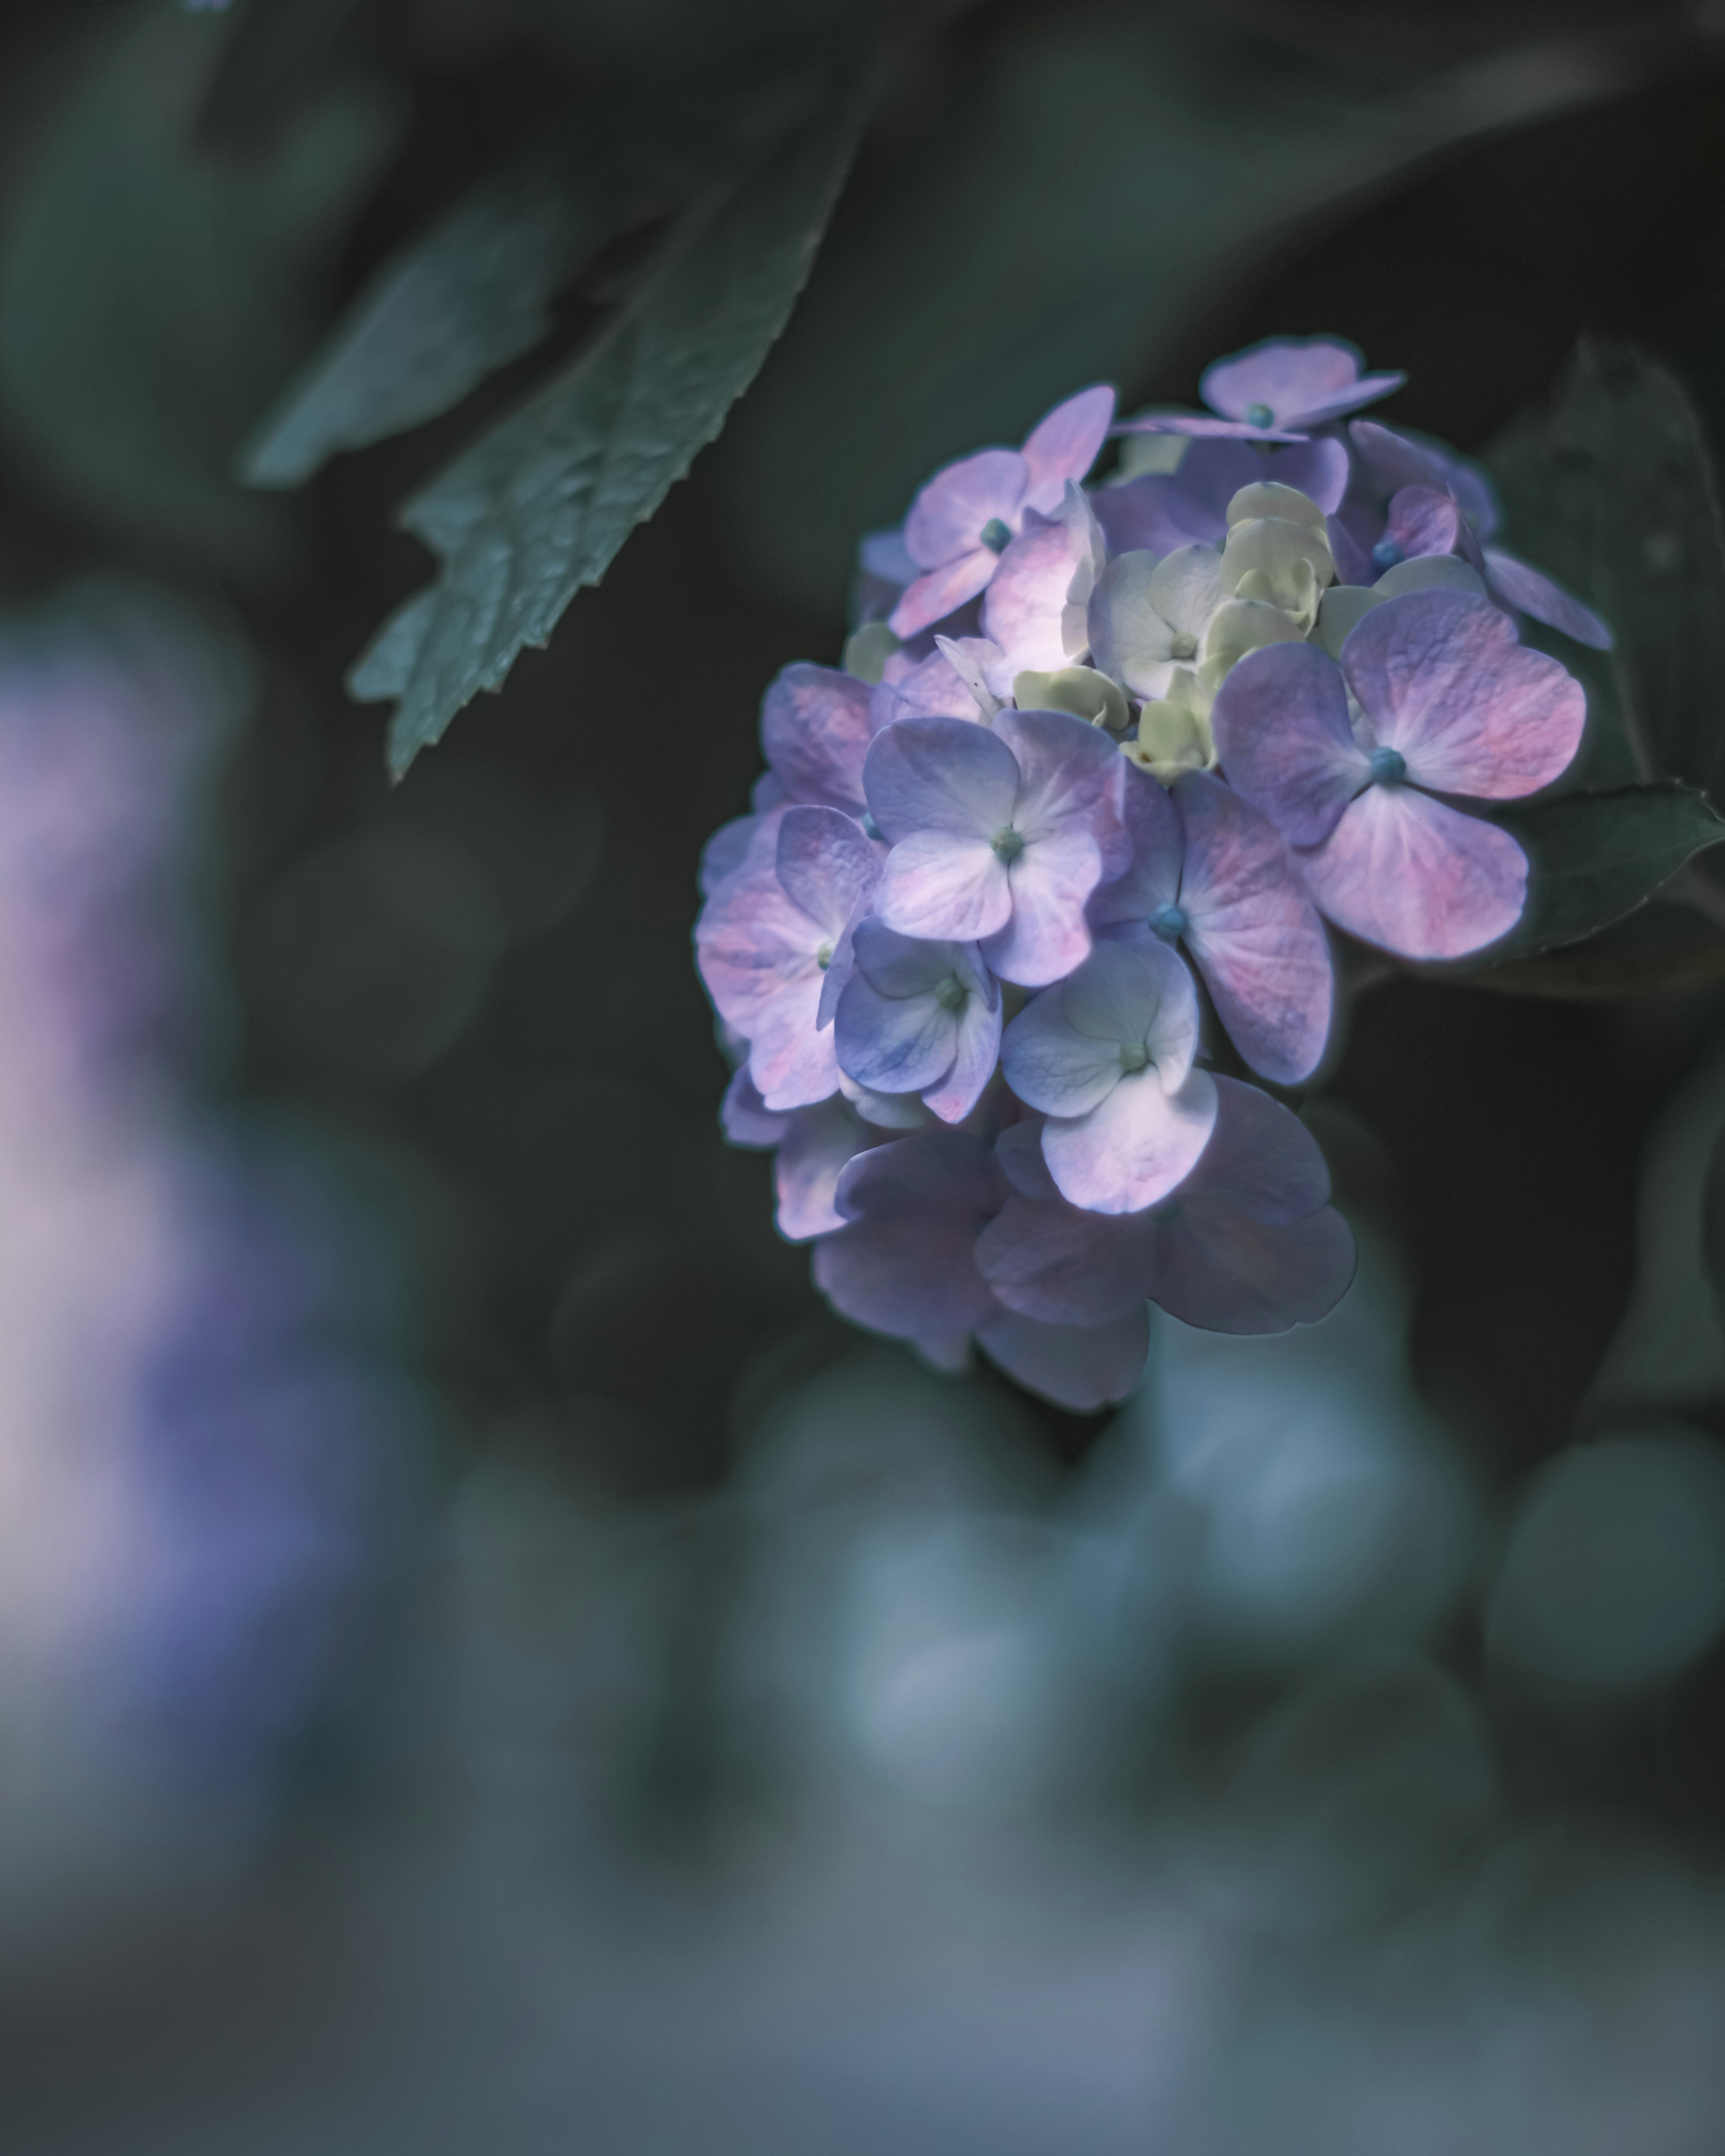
1259	415
824	957
1386	554
1134	1057
951	993
1390	767
1007	846
1169	923
996	535
1182	645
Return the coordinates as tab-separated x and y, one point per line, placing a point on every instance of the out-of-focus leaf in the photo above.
1660	946
275	59
1611	491
152	299
1105	175
1712	1227
539	507
470	294
1595	857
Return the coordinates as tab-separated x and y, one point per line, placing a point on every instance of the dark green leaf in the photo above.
1594	858
1611	492
1661	946
151	298
1712	1226
539	507
472	293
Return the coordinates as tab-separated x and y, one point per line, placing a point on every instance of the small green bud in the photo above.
1080	690
867	650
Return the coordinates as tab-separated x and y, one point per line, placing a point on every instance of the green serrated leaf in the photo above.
1659	947
1611	492
539	507
153	298
1594	858
469	294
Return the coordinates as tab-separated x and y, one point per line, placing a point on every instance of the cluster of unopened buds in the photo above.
1092	745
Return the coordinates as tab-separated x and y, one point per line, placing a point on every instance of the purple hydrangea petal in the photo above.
934	885
942	592
1300	381
1153	516
745	1117
942	776
815	730
948	517
1225	1272
1051	1260
1421	520
1152	826
906	1263
1529	590
885	556
1018	1150
1261	1160
729	850
1123	1009
818	1143
791	1057
885	1111
1202	427
900	1041
826	865
1135	1145
1422	880
1253	931
1080	1368
1050	1065
1354	562
1446	684
977	1055
1280	726
1025	611
931	689
1318	469
1066	444
1141	608
751	943
1395	460
981	666
1066	775
1047	934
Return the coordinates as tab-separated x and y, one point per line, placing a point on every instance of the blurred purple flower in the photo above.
919	1017
998	835
962	522
906	1265
1451	701
1212	872
773	946
1248	1244
1107	1056
815	730
813	1145
1275	392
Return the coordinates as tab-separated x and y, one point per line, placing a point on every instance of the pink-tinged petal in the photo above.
1366	390
725	852
942	592
1317	469
886	1111
949	516
1155	514
929	690
1262	1159
1151	826
1051	1066
937	886
1424	521
940	774
1529	590
1081	1368
745	1117
1254	932
1404	871
893	1044
815	730
1354	562
1066	444
1445	683
1024	610
1135	1145
751	945
818	1143
1397	461
1054	1262
1204	429
1280	726
973	1065
791	1059
1047	934
1065	769
826	865
1225	1272
1289	378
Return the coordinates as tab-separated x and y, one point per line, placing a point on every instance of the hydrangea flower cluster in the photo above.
1102	762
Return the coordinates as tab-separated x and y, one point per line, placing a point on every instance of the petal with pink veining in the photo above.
1423	522
1135	1145
1026	603
1066	444
815	730
942	592
1281	730
934	885
1422	880
940	774
1446	684
948	517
